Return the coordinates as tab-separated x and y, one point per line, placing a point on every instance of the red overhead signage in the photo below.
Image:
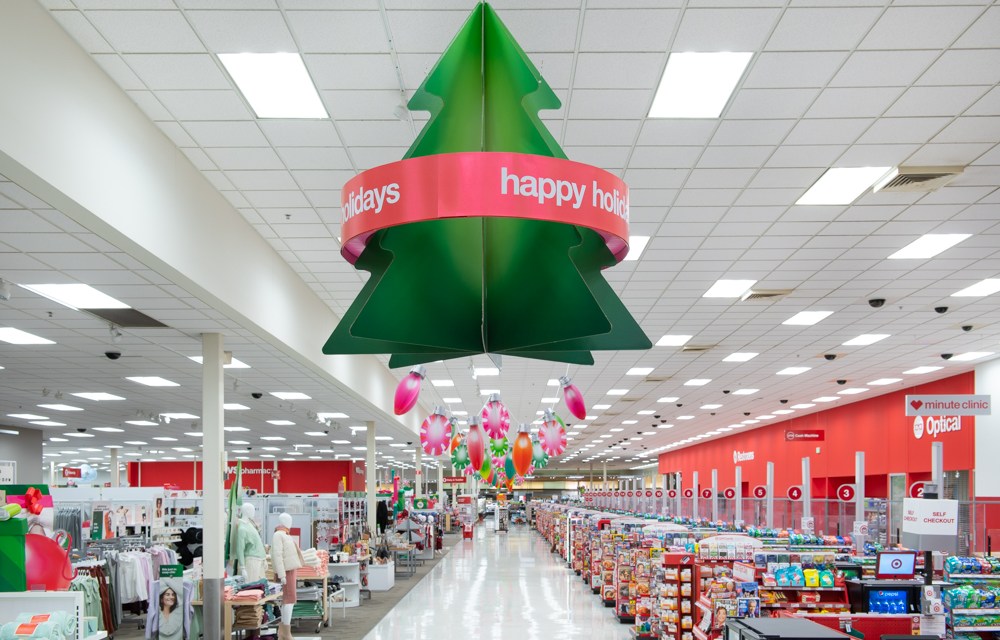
72	472
812	435
689	493
454	479
706	492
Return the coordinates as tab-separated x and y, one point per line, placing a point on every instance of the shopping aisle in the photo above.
505	586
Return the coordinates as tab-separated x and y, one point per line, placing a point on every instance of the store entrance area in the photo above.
503	585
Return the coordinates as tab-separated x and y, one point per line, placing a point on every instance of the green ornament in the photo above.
508	468
460	457
484	471
499	447
538	457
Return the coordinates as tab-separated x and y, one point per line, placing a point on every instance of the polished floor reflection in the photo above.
505	586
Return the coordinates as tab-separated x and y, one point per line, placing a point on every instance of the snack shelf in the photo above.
806	605
837	589
977	629
975	611
974	576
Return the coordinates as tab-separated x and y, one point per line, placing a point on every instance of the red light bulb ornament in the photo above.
435	432
573	398
552	434
522	451
475	441
408	390
496	418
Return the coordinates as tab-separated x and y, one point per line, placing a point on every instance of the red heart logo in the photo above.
916	404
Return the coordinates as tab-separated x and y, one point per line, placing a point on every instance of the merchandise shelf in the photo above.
977	629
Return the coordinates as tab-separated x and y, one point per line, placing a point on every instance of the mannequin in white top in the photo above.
286	558
249	551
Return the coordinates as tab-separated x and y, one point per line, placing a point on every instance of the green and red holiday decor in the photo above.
539	459
483	215
499	447
486	469
408	390
496	418
460	457
552	433
457	439
435	432
508	466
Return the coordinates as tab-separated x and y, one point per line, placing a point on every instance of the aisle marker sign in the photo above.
659	493
794	492
917	489
706	493
729	493
846	492
689	493
649	493
671	493
760	491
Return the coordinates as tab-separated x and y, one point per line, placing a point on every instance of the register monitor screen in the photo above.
895	565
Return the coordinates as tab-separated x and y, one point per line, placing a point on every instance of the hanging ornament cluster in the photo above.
496	418
539	459
460	457
552	434
522	451
435	432
573	398
475	442
408	390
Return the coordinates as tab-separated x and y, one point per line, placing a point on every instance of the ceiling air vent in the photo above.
764	294
696	348
916	179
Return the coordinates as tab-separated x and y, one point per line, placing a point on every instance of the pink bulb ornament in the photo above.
573	398
435	432
496	418
475	441
408	390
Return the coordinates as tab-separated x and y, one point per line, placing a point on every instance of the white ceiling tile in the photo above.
605	157
751	132
728	29
364	105
368	133
147	31
734	157
226	134
764	104
970	129
204	105
242	31
670	132
818	29
805	155
902	130
868	102
801	178
827	131
876	155
235	159
935	101
980	66
263	180
609	103
424	31
199	159
627	29
176	133
368	157
343	31
883	68
301	133
718	178
357	71
543	30
983	32
77	25
919	27
618	70
655	178
231	4
803	69
276	198
321	179
324	158
989	105
600	132
115	66
765	197
219	180
160	71
150	105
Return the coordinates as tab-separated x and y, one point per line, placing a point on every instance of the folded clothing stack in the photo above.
19	630
248	617
248	595
65	621
309	593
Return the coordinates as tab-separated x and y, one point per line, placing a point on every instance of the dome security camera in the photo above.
679	405
841	381
941	309
875	303
966	327
256	395
783	401
81	429
112	355
409	443
657	416
746	413
725	391
830	356
946	356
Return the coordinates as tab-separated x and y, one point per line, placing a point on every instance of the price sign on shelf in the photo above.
706	492
730	493
689	493
760	491
846	492
794	492
744	572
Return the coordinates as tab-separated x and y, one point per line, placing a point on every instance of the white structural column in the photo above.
418	481
212	469
859	498
769	499
371	486
695	495
738	507
715	495
806	489
440	483
52	473
115	471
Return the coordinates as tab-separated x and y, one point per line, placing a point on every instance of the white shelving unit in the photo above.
351	572
35	602
381	577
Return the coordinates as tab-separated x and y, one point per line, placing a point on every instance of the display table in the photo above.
405	560
348	575
229	605
381	577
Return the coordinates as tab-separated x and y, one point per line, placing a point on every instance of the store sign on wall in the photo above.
948	405
933	426
72	472
742	456
930	517
800	435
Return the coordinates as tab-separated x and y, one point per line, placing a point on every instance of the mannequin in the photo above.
286	558
249	552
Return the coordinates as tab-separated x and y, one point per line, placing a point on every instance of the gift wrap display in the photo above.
30	557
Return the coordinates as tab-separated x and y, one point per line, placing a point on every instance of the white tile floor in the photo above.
503	586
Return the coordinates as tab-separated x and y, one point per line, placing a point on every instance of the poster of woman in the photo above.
170	622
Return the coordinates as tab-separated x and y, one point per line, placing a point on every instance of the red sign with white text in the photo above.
72	472
706	493
846	492
729	493
760	491
811	435
689	493
794	493
454	479
492	184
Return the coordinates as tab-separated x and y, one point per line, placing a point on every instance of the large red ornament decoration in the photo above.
435	432
522	451
496	418
475	441
46	564
408	390
573	398
552	434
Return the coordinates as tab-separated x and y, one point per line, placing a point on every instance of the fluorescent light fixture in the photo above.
986	287
488	392
884	381
841	185
235	406
971	355
290	395
232	442
58	440
397	445
179	416
443	383
639	371
646	412
615	430
919	370
852	391
697	382
26	416
865	339
486	371
685	417
360	448
673	340
452	400
11	335
698	84
929	245
745	392
233	363
793	371
76	296
383	438
636	245
665	399
826	399
194	434
152	381
273	438
77	434
740	357
281	423
553	382
729	288
109	429
807	318
277	85
459	413
709	407
617	392
782	412
751	421
630	421
48	423
335	415
804	405
97	397
235	429
315	434
60	407
142	423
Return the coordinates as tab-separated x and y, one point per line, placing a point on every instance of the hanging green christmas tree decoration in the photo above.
485	238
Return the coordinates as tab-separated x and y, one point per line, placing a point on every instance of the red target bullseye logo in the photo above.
896	563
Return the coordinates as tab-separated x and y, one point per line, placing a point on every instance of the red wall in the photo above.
305	476
878	426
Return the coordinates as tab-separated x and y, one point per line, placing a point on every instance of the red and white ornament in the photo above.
552	435
496	418
522	451
475	441
435	432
